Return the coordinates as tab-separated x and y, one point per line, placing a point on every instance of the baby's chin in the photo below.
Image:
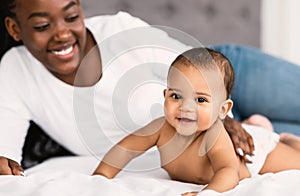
187	130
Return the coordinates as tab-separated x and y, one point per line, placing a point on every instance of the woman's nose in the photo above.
62	33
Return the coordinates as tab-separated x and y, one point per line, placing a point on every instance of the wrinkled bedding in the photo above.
71	176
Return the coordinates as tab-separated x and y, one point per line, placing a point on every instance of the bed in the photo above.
70	175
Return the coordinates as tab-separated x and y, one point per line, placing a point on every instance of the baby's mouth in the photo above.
187	120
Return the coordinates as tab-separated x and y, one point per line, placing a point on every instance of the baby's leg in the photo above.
291	140
283	157
259	120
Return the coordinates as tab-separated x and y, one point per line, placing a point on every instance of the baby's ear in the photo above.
165	92
225	108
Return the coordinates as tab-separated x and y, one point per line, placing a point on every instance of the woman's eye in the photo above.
72	18
41	27
200	100
175	96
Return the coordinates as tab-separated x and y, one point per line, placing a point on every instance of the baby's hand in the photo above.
190	193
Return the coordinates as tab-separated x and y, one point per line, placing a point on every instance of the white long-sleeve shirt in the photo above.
88	120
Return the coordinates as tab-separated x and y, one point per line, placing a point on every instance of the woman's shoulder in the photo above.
17	61
15	57
106	25
17	53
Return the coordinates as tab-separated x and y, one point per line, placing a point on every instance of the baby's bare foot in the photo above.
259	120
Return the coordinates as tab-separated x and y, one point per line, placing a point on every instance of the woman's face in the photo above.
54	32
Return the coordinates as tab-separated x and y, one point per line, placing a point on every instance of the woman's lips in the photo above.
64	51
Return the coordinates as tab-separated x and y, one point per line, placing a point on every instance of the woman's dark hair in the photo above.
6	41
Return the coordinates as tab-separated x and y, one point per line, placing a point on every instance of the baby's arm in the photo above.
224	162
128	148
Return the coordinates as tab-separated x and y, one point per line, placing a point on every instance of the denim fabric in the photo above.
265	85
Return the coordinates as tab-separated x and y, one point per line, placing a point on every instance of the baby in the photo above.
192	141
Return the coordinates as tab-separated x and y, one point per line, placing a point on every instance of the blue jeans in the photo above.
264	85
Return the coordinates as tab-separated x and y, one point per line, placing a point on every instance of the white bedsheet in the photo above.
71	176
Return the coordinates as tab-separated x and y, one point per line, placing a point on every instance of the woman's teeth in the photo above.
63	52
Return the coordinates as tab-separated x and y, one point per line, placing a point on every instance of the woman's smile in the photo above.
65	52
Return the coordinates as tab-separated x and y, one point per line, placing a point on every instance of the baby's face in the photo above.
193	98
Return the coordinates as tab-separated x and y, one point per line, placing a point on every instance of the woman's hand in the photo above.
242	141
10	167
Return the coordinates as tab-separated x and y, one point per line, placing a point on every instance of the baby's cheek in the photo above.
205	117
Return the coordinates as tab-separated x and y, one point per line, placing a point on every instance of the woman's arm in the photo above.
14	113
128	148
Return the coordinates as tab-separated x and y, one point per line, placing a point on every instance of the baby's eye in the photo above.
200	100
175	96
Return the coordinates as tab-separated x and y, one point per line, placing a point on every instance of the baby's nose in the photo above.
188	105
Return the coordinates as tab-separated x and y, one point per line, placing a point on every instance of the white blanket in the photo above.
71	176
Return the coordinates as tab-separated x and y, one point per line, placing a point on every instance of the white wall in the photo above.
280	28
